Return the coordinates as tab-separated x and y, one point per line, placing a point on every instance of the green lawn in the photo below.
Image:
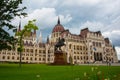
47	72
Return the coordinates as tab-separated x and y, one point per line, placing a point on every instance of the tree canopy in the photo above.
9	9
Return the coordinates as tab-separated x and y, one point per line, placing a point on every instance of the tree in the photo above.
21	34
9	9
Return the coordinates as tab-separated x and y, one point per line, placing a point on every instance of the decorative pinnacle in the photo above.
58	20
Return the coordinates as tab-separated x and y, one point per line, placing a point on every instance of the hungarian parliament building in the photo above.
85	47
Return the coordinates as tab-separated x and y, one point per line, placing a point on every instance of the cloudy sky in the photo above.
103	15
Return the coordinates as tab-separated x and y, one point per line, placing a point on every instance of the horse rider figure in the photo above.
59	44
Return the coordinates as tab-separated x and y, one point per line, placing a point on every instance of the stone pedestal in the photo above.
60	58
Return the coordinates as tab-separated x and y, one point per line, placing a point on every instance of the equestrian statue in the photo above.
59	44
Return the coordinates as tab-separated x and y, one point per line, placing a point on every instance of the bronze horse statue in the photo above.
59	44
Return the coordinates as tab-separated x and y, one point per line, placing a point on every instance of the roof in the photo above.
58	27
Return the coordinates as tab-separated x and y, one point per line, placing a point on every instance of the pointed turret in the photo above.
40	38
34	33
19	29
58	27
113	47
47	39
58	20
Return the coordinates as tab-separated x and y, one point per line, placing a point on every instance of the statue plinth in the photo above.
60	58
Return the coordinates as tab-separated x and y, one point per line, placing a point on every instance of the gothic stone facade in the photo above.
86	47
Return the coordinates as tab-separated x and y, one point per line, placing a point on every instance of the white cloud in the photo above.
112	33
45	17
93	26
103	15
65	19
80	2
74	30
34	4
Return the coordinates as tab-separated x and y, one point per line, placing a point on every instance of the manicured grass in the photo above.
48	72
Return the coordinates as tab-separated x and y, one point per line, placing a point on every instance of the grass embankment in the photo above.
47	72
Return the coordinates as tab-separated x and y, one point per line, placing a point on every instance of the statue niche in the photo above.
59	44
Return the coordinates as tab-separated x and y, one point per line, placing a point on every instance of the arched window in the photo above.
3	57
78	57
80	47
43	59
74	57
13	57
81	57
93	43
70	46
17	58
35	58
97	44
39	59
8	57
27	58
31	58
22	58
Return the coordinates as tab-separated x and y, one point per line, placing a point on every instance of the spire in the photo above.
40	38
34	33
47	39
58	20
19	29
113	47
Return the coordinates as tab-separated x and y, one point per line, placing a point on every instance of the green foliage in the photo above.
20	49
27	29
9	9
23	33
6	41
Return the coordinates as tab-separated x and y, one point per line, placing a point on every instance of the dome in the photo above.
58	27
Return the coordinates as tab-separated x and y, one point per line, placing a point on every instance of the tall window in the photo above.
27	50
81	57
22	58
35	58
27	58
77	47
3	57
83	47
74	57
31	50
39	59
74	47
39	51
36	51
70	46
31	58
17	58
8	57
80	47
78	57
99	44
13	57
